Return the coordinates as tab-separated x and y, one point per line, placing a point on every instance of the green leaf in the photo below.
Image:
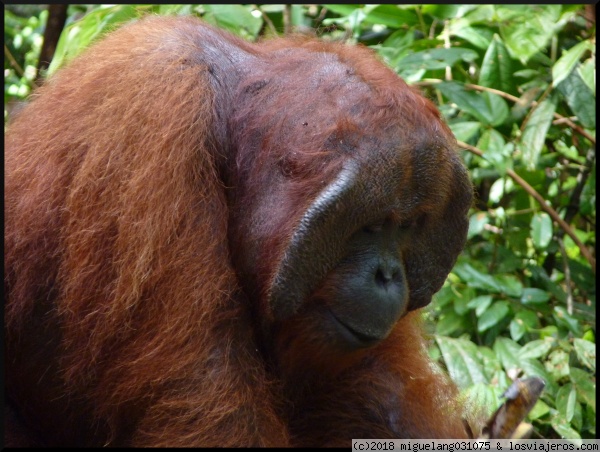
534	134
495	150
465	130
438	58
563	318
462	361
446	11
579	98
235	18
481	14
478	36
587	72
499	188
522	322
480	304
493	316
496	69
558	364
448	323
475	278
586	352
79	35
541	230
483	396
565	64
588	195
527	29
509	285
585	385
507	351
566	398
532	295
533	368
477	223
342	10
488	108
536	349
563	428
517	329
539	409
173	9
391	16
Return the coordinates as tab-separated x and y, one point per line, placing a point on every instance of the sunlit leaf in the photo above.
541	230
587	72
536	349
579	98
486	107
496	68
534	134
461	359
527	29
565	64
534	295
493	316
586	352
586	387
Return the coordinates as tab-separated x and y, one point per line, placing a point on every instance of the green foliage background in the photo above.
517	85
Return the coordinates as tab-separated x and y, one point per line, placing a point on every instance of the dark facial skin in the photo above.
367	290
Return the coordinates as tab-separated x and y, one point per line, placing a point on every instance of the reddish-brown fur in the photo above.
125	322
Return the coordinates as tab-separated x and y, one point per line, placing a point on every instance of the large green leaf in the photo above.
509	285
563	427
80	34
496	69
449	323
391	16
586	352
587	72
235	18
566	63
585	385
580	98
447	11
532	295
438	58
465	130
494	146
475	278
527	29
342	10
493	316
566	398
507	351
478	36
461	359
488	108
480	304
522	322
534	134
536	349
541	230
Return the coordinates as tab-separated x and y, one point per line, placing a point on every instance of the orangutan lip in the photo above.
353	336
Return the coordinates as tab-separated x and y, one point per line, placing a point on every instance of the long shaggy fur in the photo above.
125	322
